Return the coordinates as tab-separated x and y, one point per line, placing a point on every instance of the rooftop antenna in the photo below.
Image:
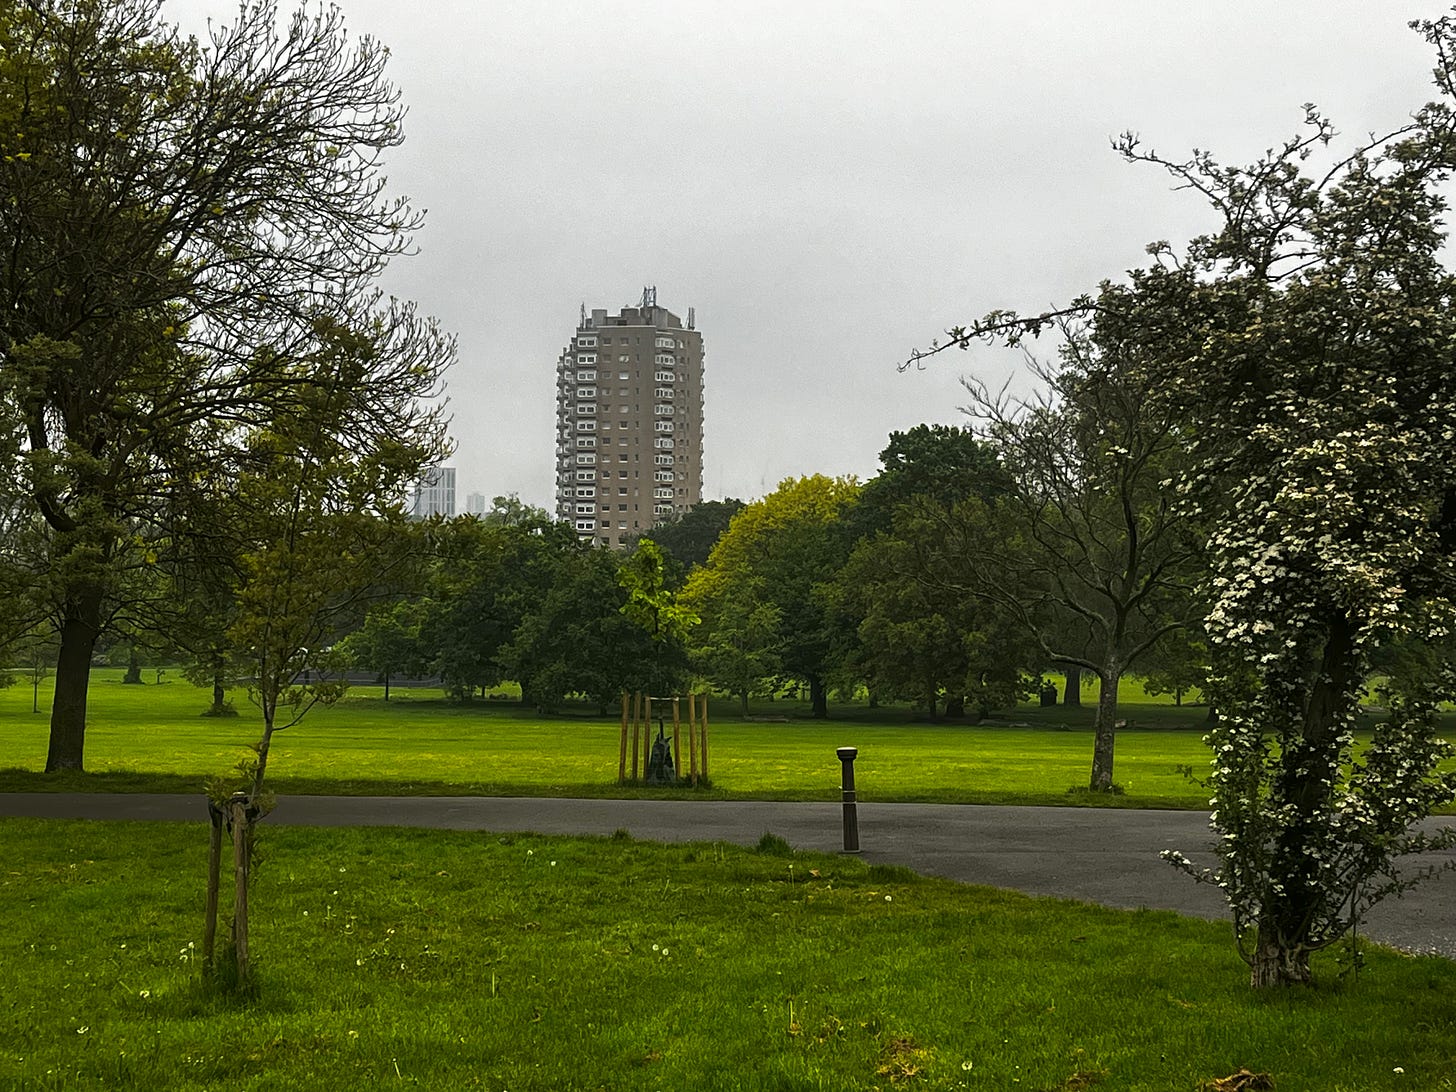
649	296
582	325
692	318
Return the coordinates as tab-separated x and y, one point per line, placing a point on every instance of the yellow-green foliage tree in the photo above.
762	595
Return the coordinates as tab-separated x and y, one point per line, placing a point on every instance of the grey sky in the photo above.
828	184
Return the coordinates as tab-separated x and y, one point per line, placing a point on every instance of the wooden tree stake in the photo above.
676	740
705	737
622	757
242	837
214	880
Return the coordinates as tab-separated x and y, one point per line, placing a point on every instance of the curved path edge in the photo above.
1105	856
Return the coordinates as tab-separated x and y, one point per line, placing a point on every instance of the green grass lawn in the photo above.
453	960
151	737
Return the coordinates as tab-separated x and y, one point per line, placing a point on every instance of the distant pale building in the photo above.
476	504
629	421
435	493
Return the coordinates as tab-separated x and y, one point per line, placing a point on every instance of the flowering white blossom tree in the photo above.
1309	345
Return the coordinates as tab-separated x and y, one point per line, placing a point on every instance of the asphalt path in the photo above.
1106	856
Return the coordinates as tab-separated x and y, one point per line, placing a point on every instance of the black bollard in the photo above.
851	820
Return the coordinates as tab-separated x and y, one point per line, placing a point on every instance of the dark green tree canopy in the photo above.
192	236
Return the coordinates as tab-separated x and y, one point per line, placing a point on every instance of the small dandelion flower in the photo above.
655	947
359	962
965	1065
1398	1069
553	864
342	869
888	899
530	853
145	994
664	951
83	1029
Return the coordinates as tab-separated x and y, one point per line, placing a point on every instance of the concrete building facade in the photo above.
629	421
434	495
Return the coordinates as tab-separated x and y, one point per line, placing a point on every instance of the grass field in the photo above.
450	960
151	738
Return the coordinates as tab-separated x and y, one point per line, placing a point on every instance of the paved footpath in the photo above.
1105	856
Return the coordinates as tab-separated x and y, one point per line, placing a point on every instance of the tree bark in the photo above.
818	698
1072	695
1274	964
743	700
133	668
386	686
1106	731
1281	955
955	705
79	629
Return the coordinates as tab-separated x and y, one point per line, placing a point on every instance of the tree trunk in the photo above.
1106	730
79	630
930	702
1302	901
1276	965
743	700
818	698
955	705
386	686
1072	695
133	668
219	695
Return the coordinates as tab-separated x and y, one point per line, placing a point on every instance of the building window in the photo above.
662	476
624	375
660	392
586	342
586	475
586	409
586	441
662	460
584	491
586	377
662	411
586	392
586	426
658	426
664	343
662	441
586	509
665	377
585	460
586	358
662	493
586	525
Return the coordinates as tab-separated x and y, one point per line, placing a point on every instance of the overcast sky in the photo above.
828	184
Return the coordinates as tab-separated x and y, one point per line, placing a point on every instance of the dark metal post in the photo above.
851	820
